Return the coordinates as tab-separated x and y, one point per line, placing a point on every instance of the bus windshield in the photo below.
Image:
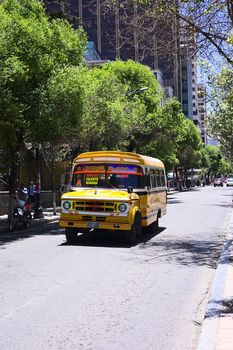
119	176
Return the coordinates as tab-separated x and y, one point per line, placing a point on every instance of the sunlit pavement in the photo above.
218	324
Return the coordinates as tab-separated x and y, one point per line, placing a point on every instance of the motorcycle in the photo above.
22	214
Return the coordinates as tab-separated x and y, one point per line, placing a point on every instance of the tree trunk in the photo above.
12	189
54	193
136	45
117	24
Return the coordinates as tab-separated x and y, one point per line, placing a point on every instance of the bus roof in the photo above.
118	157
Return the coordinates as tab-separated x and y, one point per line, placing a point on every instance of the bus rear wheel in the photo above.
153	227
71	235
130	236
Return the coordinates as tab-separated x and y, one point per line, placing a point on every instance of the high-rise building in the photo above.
201	103
121	30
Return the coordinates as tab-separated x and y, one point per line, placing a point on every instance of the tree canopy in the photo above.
48	97
220	121
32	49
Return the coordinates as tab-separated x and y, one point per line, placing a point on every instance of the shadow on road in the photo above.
222	307
184	252
112	240
173	200
223	205
37	228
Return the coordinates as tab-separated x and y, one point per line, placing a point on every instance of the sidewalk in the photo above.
48	216
217	328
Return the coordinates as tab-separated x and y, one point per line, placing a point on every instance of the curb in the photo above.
214	312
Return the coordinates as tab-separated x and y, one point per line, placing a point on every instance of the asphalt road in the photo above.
103	295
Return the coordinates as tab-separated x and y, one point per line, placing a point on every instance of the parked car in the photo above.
218	182
229	181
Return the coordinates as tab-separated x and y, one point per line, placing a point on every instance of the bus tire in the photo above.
71	235
130	236
155	225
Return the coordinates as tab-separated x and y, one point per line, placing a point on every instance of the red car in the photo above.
218	182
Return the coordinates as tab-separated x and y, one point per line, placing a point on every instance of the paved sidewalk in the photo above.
48	216
217	328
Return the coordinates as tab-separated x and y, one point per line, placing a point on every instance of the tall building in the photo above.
192	93
122	30
201	104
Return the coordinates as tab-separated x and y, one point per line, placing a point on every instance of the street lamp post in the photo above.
138	91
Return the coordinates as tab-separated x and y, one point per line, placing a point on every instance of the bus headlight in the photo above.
66	205
122	207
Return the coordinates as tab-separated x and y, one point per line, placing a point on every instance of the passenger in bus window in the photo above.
78	182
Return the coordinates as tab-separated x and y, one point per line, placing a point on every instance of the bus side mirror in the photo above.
62	189
130	189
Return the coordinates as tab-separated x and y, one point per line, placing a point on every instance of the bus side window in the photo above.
147	179
153	178
158	178
162	178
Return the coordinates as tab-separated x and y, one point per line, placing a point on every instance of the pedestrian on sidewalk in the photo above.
32	192
22	192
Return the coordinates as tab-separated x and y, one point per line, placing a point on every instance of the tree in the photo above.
209	22
189	146
118	116
220	121
117	110
32	49
166	133
215	164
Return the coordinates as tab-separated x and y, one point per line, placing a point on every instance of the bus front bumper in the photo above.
76	224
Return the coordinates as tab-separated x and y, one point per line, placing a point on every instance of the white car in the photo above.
229	181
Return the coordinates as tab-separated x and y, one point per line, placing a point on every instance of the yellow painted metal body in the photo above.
99	207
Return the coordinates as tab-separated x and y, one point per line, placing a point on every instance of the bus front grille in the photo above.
94	206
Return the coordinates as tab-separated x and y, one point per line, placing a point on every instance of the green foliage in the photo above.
47	97
113	112
215	164
32	50
189	145
60	106
117	116
220	122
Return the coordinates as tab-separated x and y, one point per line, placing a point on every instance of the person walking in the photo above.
22	192
32	192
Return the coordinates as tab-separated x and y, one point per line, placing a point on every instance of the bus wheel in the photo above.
155	225
71	235
130	236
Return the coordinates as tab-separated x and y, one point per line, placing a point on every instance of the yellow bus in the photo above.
114	191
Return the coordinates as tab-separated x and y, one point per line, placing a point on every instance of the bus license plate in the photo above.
93	225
